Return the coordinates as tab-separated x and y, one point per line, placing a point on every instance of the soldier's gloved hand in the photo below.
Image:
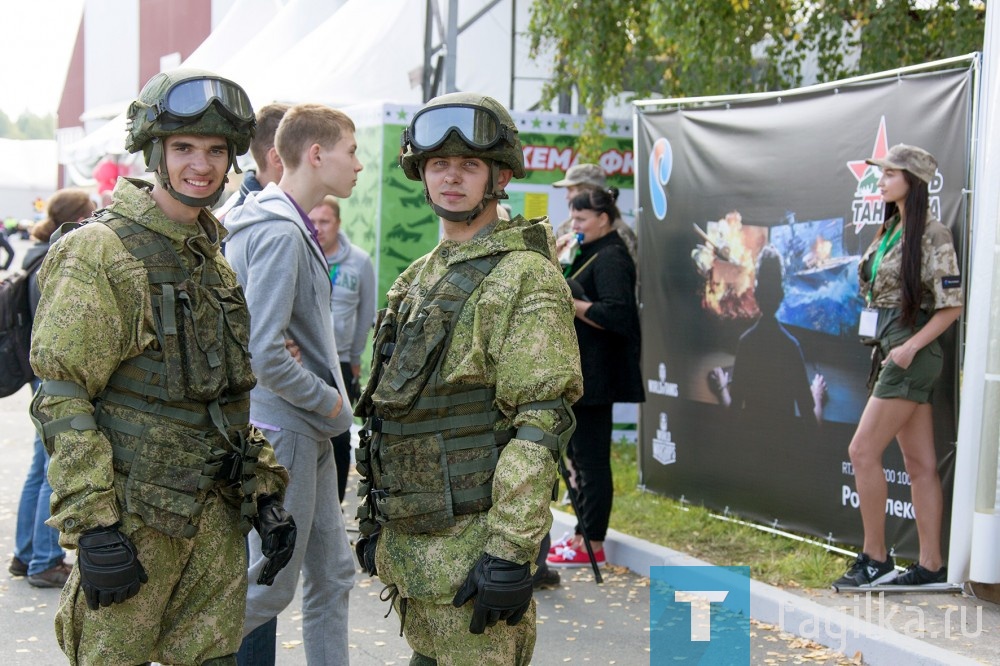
277	536
502	590
364	549
110	570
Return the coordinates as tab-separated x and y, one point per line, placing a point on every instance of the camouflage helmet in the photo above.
190	101
461	124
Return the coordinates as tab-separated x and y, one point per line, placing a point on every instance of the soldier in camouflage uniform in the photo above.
910	280
475	366
141	343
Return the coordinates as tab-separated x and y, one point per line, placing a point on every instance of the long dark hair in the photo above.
598	200
916	209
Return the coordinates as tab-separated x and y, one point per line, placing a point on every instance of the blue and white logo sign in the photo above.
699	615
661	163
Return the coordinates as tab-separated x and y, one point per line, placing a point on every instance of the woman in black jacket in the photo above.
602	278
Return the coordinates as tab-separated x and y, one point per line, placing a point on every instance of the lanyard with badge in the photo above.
869	315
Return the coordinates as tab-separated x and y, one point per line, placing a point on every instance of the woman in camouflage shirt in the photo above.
910	280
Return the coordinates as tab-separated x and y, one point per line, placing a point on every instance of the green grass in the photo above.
772	559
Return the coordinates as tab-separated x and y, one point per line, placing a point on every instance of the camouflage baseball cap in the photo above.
909	158
590	175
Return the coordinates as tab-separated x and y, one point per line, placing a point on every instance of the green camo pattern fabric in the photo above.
515	333
95	312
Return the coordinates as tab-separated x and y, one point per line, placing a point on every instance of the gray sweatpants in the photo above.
322	552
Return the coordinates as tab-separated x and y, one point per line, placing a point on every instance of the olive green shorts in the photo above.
916	382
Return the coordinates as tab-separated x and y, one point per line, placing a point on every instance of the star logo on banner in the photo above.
562	123
536	123
614	127
866	174
401	114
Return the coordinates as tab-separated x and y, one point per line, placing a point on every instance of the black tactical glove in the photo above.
110	570
364	549
502	590
277	536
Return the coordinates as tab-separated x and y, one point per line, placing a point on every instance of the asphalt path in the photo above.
579	622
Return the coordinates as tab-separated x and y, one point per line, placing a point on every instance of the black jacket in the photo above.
609	356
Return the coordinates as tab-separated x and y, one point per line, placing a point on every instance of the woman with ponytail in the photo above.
910	280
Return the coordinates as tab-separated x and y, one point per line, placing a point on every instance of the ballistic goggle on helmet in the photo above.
461	124
189	101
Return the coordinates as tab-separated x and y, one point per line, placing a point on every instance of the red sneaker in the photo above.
561	543
574	557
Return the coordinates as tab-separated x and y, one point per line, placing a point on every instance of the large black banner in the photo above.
717	184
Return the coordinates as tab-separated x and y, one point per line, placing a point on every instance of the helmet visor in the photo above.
478	127
192	97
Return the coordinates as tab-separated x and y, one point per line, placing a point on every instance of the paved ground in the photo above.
578	623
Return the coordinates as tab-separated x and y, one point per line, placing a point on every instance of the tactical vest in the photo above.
429	449
177	415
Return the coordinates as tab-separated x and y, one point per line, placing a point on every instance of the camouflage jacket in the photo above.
515	333
95	312
939	272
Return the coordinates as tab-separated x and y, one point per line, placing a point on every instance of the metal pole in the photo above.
452	42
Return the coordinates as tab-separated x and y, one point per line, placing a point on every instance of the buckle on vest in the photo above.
377	494
231	469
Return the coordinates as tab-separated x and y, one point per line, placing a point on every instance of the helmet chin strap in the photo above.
492	194
158	164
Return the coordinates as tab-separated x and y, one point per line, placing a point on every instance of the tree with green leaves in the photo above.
689	48
27	126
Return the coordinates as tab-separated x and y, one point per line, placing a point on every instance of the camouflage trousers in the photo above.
440	634
190	612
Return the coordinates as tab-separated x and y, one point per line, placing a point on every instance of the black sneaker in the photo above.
866	572
918	575
17	567
545	578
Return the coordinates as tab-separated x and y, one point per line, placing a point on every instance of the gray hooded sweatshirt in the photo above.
284	274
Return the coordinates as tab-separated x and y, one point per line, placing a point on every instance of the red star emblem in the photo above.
863	171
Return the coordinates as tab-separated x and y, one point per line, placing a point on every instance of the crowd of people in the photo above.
197	381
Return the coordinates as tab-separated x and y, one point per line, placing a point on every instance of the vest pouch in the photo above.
165	480
416	496
419	344
200	324
236	340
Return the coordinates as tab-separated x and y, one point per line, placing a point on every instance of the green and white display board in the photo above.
388	216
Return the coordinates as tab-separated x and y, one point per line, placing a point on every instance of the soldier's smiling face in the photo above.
196	165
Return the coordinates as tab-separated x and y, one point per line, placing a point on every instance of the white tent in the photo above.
360	54
373	51
251	33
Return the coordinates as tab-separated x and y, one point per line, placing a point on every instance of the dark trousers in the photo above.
258	648
8	249
590	452
342	442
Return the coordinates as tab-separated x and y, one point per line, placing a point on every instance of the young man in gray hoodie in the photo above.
352	276
300	405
